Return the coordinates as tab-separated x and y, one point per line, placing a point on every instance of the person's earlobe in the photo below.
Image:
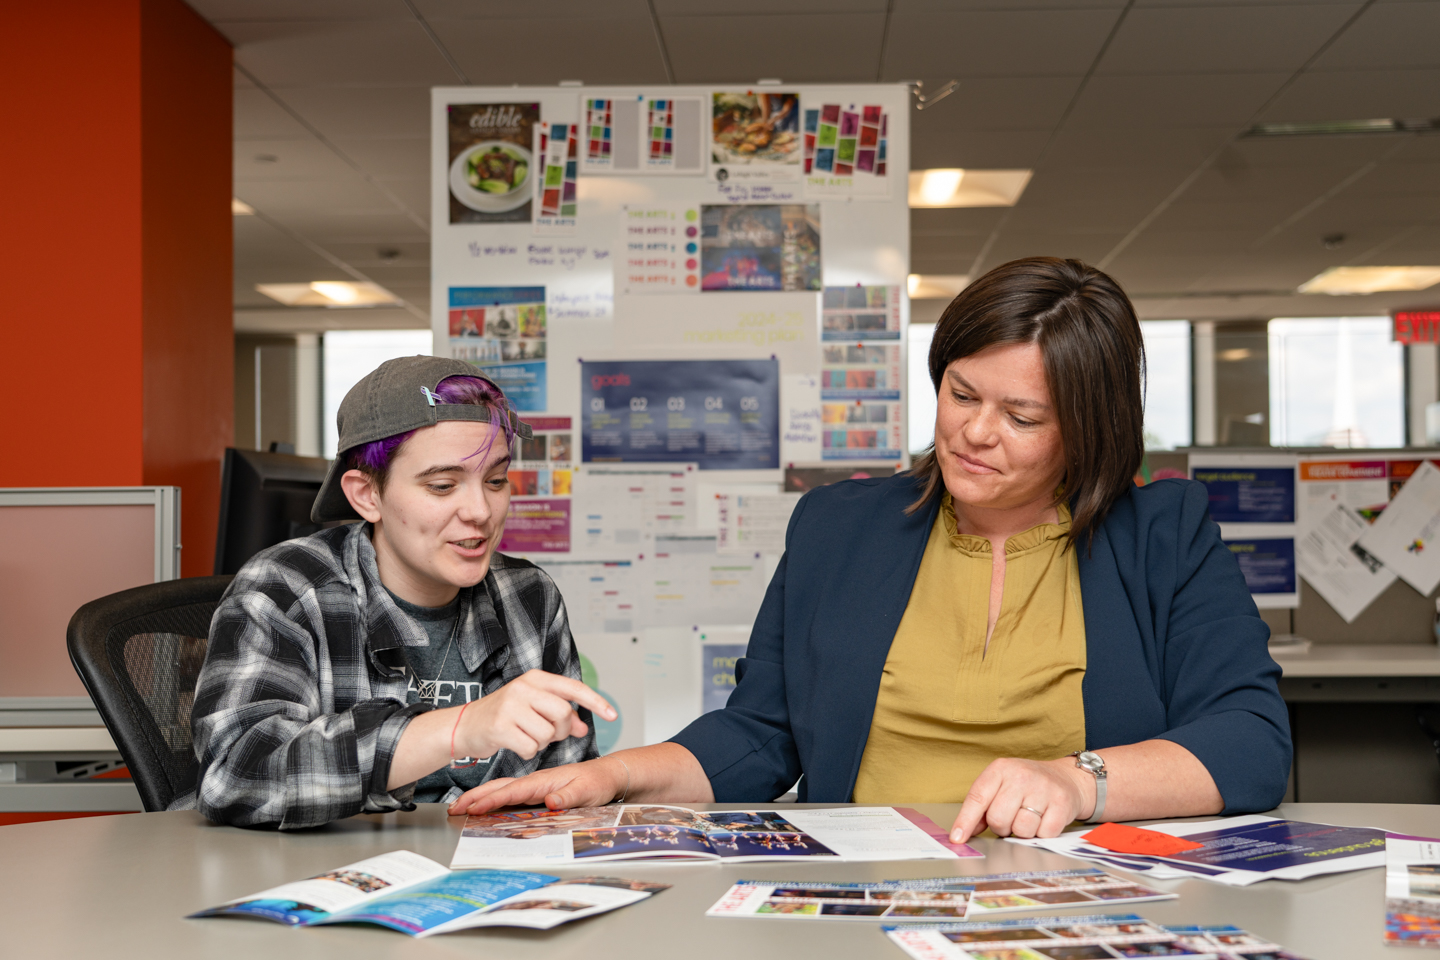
363	493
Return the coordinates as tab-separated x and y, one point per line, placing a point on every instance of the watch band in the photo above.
1093	764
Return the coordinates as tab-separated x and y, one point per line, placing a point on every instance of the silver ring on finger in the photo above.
1037	813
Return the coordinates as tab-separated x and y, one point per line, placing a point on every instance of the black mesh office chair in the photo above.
139	654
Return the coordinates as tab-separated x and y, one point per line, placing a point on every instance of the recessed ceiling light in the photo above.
1343	281
954	187
240	208
328	293
1341	128
935	286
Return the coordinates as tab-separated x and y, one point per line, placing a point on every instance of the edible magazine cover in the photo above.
1094	937
946	898
656	832
417	896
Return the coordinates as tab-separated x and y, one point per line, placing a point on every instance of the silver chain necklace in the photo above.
430	689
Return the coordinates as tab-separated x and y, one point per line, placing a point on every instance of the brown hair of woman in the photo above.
1094	359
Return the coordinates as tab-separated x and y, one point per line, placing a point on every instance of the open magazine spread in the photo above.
655	832
1412	890
1239	851
1096	937
947	898
410	893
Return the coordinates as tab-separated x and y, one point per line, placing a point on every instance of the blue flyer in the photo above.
1268	565
720	414
1278	844
1249	494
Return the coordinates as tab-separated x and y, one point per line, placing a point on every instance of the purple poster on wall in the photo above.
537	526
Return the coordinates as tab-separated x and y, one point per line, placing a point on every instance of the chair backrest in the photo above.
139	653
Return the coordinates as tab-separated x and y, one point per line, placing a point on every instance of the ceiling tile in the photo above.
335	52
363	113
994	43
325	224
984	149
307	159
1087	247
1306	151
1391	35
499	16
398	159
341	194
747	8
1249	39
596	50
1359	95
1185	100
258	117
1173	146
842	47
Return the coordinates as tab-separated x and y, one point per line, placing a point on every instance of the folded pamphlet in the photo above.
1412	890
942	898
1095	937
1239	851
410	893
666	833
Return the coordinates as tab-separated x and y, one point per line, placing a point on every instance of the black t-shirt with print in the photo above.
436	674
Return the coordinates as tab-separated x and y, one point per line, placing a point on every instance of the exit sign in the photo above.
1417	326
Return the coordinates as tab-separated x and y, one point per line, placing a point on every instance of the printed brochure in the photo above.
943	898
1096	937
666	833
1239	851
1412	890
410	893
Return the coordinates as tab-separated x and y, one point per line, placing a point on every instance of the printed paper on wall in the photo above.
502	331
492	161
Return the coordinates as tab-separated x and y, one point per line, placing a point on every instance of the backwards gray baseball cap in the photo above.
396	397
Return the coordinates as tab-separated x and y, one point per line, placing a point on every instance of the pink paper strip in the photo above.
940	836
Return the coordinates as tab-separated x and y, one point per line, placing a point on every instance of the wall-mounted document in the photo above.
1326	556
1406	537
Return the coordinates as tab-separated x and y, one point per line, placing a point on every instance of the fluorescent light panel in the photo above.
1341	128
956	187
328	293
1350	281
239	208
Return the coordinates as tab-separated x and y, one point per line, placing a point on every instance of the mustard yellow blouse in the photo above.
947	704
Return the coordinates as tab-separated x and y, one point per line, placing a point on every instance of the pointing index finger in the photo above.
577	692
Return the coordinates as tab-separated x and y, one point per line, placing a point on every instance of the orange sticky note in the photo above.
1152	843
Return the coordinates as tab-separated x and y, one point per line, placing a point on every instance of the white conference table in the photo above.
121	886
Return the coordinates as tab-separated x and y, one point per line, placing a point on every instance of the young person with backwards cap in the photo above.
400	659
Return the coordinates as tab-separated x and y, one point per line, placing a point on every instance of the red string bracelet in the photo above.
455	764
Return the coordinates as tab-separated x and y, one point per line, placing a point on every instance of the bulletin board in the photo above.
696	297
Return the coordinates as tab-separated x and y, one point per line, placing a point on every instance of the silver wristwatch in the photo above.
1093	765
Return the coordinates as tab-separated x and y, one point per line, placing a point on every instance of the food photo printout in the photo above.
952	898
1095	937
667	833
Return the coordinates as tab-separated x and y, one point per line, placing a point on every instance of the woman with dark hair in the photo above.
1013	623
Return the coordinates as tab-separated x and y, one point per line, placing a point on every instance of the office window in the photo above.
1336	382
1167	384
350	354
920	410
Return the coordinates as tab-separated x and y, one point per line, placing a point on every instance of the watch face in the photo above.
1090	761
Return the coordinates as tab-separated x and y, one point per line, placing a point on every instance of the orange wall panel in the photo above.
70	248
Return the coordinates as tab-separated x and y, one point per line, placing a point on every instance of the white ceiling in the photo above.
1130	112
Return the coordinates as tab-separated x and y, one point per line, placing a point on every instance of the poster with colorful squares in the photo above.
599	138
845	151
555	189
660	122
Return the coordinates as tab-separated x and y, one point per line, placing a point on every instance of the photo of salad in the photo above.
497	169
491	161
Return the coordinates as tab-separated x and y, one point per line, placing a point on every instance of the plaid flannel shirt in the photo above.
301	700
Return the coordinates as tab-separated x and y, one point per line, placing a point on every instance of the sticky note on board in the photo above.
1123	839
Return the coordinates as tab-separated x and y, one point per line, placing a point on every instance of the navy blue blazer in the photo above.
1175	648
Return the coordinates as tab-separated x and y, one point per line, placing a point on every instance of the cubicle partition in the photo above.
63	548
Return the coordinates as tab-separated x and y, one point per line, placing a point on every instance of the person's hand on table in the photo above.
1025	798
593	783
527	715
